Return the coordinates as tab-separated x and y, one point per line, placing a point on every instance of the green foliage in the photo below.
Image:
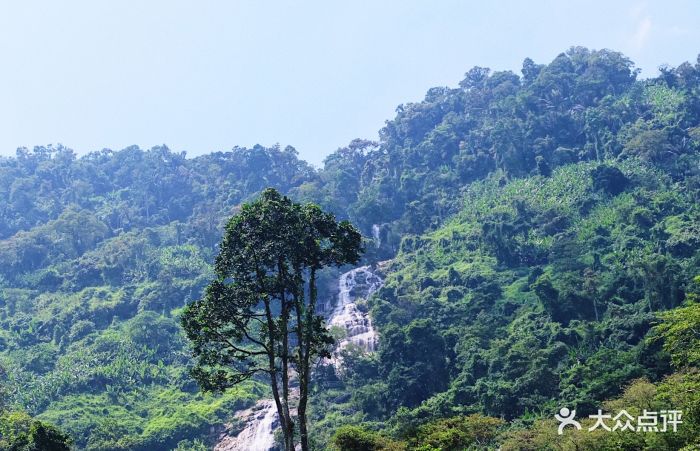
680	331
473	432
413	363
541	222
191	445
521	335
458	433
353	438
609	179
678	391
152	418
19	432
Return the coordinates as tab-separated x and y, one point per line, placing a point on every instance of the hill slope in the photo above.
537	224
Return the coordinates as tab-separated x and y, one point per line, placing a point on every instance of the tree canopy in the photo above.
259	314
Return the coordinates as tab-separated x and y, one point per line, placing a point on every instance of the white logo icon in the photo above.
566	418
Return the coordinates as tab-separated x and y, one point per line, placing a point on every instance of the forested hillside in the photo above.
544	236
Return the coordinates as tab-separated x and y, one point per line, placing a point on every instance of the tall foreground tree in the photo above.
258	317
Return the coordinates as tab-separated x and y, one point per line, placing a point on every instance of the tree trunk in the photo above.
284	334
305	361
302	371
285	421
303	433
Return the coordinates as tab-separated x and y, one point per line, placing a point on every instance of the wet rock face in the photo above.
355	286
259	431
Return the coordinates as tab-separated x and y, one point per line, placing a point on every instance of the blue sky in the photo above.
207	75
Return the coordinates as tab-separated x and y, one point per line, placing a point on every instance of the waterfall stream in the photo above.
353	286
259	432
376	229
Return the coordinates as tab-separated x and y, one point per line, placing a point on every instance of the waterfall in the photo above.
263	438
353	286
259	431
375	235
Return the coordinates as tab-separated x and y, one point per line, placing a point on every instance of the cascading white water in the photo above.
259	432
353	286
263	438
375	234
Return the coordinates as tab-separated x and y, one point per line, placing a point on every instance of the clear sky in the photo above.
207	75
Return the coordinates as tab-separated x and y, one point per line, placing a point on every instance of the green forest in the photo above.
538	237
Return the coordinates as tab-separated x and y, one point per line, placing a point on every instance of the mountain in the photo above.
542	229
